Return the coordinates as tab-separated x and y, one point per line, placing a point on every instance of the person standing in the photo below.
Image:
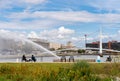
98	59
33	58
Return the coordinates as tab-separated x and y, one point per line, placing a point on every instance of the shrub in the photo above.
81	51
6	69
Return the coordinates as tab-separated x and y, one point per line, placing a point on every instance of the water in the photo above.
50	59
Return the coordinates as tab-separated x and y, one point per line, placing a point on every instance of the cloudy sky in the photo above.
62	20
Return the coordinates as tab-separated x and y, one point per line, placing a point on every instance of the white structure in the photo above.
100	41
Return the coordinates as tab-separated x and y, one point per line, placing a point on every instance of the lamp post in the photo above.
85	41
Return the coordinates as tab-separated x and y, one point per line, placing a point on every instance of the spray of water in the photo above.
41	47
11	36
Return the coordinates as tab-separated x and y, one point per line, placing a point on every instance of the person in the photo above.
109	58
24	58
71	58
33	58
63	59
98	59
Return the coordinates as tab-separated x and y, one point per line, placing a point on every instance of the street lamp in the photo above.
85	41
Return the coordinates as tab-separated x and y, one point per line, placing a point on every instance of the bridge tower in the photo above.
100	46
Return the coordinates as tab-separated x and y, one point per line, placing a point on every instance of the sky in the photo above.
62	20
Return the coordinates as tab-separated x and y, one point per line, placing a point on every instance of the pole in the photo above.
85	41
100	46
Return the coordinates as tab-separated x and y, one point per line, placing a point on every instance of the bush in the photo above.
6	69
80	71
81	51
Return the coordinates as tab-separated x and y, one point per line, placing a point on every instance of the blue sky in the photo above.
62	20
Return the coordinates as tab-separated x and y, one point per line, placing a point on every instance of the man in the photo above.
24	58
33	58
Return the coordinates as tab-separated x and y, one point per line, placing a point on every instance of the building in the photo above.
54	45
69	44
108	45
46	44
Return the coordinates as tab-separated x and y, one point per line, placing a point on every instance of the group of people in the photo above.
108	59
63	59
28	60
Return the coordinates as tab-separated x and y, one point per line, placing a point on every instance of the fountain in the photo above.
13	45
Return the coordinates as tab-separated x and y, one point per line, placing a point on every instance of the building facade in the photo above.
108	45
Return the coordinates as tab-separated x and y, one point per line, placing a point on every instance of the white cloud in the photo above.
105	36
80	16
5	4
22	35
36	24
9	4
119	31
116	36
26	20
108	5
33	1
32	34
60	36
78	39
63	30
74	39
55	34
46	19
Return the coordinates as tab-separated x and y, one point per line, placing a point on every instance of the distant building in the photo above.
54	45
109	45
46	44
68	45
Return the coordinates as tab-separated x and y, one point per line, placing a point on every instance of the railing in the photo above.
116	58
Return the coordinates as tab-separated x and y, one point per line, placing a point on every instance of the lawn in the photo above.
80	71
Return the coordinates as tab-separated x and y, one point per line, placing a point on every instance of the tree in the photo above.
81	51
52	49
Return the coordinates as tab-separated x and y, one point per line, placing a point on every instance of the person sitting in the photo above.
24	58
109	59
33	58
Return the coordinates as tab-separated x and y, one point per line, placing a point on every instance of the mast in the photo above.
85	41
100	46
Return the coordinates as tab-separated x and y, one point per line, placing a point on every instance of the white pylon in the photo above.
100	46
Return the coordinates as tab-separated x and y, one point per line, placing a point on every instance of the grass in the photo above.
80	71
